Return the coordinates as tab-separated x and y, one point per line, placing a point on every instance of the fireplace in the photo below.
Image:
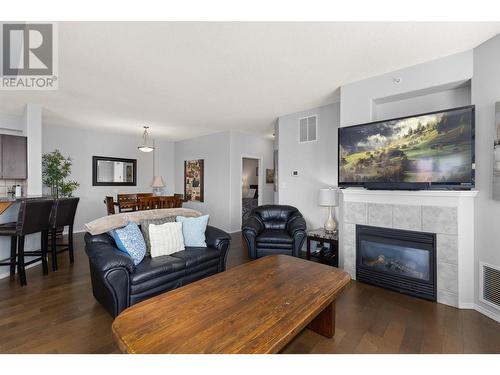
401	260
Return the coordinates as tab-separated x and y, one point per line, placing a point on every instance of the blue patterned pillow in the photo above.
193	230
129	239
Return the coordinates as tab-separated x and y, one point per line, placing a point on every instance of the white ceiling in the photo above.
189	79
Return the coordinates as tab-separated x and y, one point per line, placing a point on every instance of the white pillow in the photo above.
251	193
165	239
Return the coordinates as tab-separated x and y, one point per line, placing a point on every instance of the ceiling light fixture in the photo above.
146	147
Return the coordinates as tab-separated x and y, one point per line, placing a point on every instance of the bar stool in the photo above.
63	214
34	217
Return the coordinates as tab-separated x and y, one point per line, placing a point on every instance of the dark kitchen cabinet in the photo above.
14	157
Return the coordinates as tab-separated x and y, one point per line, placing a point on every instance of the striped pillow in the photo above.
165	239
145	223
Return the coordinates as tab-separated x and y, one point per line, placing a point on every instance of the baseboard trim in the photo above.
479	309
488	313
467	306
7	274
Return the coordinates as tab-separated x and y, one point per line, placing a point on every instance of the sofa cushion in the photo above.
193	256
274	236
157	267
270	245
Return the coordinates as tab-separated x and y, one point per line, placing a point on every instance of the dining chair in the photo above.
148	203
33	217
63	214
110	205
127	202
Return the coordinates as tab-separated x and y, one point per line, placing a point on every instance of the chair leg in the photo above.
13	255
54	250
45	245
70	242
21	270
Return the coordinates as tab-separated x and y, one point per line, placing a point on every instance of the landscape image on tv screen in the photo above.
433	148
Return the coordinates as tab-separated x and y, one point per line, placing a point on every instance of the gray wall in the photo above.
222	153
419	82
315	161
82	144
429	102
485	92
214	149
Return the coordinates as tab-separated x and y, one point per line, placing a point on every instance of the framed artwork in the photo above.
193	180
269	176
496	155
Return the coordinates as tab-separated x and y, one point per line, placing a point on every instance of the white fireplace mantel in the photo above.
410	193
448	213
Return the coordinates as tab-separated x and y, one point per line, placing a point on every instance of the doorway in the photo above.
250	185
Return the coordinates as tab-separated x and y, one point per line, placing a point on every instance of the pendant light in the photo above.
146	147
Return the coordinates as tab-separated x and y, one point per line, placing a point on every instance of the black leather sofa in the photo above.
117	283
274	229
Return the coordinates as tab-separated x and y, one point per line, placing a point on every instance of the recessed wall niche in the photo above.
431	99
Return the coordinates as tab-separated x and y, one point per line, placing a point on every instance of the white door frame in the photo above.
259	181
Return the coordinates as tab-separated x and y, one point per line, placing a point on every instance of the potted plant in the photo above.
55	169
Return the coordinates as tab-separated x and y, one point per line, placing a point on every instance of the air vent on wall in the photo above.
489	288
308	127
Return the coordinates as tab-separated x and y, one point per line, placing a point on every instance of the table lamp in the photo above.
329	198
157	184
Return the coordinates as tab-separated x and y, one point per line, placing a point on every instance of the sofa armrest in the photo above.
105	257
296	224
252	224
103	238
216	238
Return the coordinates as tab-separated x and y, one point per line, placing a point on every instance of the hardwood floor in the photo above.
58	314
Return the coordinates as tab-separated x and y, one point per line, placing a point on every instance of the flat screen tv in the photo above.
427	151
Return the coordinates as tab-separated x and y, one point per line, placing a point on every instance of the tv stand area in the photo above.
411	186
396	186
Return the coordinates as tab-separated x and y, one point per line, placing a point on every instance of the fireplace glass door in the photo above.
397	259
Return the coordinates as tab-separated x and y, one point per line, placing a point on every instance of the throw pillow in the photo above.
145	223
129	240
193	229
165	239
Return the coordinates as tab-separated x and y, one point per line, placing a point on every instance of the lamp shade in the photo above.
158	182
328	197
146	147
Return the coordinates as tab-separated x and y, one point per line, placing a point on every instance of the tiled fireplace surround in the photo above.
449	214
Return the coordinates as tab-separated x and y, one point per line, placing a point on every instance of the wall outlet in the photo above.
295	173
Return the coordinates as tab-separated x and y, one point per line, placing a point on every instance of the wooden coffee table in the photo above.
257	307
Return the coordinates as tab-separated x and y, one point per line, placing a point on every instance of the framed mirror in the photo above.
108	171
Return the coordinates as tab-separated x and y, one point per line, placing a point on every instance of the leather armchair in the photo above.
117	283
274	229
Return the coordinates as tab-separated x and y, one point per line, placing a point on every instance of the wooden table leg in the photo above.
324	323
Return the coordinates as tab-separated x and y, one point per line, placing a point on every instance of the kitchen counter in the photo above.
19	199
6	202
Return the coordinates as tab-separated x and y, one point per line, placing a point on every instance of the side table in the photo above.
323	247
